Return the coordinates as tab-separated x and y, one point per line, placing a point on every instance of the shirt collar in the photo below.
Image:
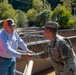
54	40
8	35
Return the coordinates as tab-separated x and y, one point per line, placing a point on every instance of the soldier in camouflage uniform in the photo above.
59	49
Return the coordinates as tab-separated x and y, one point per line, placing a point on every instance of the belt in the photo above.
5	58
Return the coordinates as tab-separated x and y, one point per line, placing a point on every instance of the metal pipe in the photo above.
28	69
18	72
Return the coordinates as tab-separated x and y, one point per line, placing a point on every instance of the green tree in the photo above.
21	19
6	10
31	16
1	1
67	4
23	5
42	17
63	16
37	7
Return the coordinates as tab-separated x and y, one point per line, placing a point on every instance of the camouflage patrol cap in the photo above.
51	24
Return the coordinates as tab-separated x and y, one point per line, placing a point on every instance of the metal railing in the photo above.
18	72
27	70
30	34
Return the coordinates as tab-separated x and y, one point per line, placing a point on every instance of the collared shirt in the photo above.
9	44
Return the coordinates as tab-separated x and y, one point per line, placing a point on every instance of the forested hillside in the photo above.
25	5
37	12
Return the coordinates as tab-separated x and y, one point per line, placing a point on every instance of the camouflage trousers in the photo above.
68	68
65	73
69	73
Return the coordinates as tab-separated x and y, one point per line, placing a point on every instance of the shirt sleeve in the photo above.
41	55
6	50
65	50
21	43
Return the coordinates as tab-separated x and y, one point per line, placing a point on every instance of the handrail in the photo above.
28	68
18	72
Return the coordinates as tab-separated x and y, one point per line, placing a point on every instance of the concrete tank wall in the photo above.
67	32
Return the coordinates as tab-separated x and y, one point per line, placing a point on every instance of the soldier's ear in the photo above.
48	29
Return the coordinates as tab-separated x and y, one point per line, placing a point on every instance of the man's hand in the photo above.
30	51
26	55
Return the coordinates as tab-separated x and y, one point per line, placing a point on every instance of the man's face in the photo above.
9	29
46	32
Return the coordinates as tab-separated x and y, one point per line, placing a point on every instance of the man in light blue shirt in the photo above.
9	42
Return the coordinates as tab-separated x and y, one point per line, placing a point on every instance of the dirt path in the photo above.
49	71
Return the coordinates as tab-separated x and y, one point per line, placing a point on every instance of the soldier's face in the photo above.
48	34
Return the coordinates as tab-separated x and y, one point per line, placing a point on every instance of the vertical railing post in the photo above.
28	68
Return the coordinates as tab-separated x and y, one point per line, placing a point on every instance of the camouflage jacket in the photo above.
58	49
